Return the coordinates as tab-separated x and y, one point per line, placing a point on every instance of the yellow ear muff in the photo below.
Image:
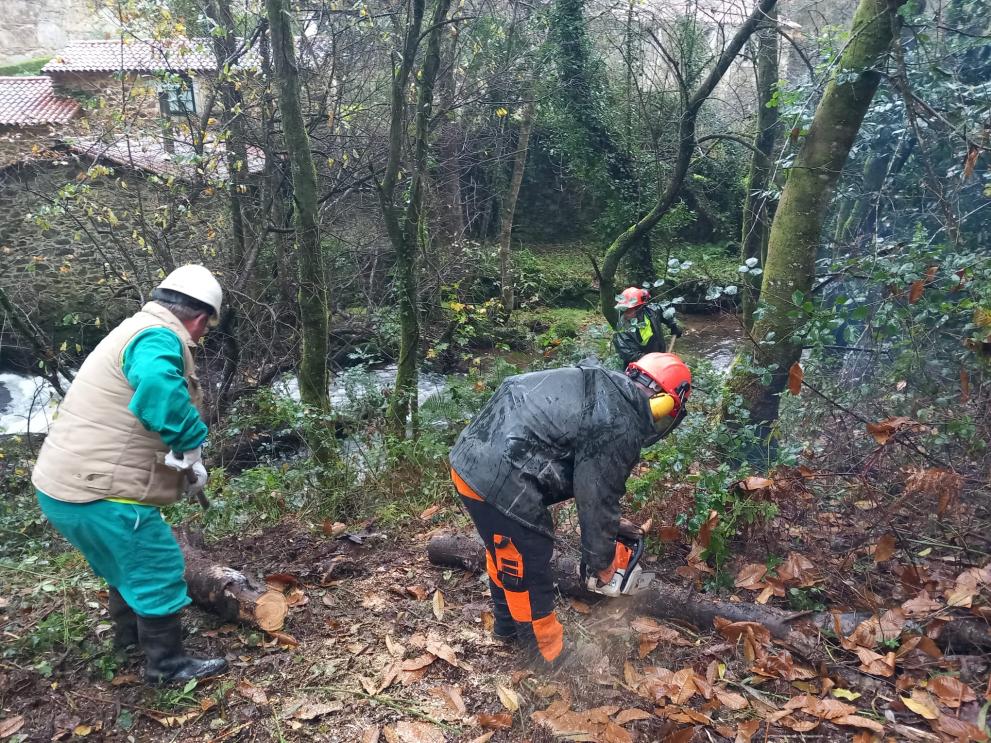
662	406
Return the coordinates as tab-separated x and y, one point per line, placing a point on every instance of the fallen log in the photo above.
228	593
665	600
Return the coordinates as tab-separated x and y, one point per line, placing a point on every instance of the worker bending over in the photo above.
546	437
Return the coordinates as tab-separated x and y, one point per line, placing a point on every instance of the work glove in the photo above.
629	530
192	464
614	586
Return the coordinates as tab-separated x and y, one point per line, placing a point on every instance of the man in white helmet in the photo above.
126	442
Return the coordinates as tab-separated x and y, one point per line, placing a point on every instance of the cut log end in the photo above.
270	611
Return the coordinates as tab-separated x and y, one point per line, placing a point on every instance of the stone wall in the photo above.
66	273
38	28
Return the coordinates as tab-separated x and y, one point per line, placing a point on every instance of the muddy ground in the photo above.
380	645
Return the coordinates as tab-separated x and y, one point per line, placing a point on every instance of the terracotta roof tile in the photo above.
149	154
135	55
30	101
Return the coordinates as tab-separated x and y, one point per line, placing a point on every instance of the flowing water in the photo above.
27	404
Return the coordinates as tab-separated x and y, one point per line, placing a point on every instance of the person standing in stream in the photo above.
547	437
640	329
126	441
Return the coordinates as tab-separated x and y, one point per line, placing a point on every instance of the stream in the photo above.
28	404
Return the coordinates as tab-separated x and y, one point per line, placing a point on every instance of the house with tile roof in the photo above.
168	74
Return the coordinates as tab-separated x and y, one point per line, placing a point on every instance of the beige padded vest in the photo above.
97	448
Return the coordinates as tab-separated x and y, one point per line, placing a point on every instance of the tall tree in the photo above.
509	209
692	101
403	212
795	233
314	382
756	208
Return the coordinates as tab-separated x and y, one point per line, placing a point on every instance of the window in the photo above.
176	97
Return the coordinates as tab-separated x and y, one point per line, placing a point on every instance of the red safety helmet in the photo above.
663	373
632	298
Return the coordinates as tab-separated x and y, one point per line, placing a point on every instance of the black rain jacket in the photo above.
644	333
548	436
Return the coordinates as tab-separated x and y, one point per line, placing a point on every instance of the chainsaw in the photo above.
629	577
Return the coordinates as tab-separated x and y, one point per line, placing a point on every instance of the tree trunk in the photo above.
406	227
314	382
691	104
756	216
225	47
509	209
230	594
795	233
670	601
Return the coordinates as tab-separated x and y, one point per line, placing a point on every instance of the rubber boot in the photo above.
161	639
125	620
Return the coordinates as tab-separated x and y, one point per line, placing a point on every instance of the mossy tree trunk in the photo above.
795	233
313	299
756	208
509	209
403	213
691	104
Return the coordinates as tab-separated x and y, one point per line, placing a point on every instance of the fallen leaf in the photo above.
973	152
795	377
333	529
922	704
915	291
282	581
755	483
498	721
284	639
828	709
251	692
418	592
705	533
296	597
394	648
421	661
509	698
957	729
451	696
82	730
846	694
883	430
951	691
746	730
207	704
884	548
921	605
418	732
751	577
174	721
488	620
430	512
669	533
124	679
443	651
438	604
312	711
875	663
484	738
371	735
626	716
731	699
857	721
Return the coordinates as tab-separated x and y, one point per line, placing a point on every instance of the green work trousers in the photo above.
130	546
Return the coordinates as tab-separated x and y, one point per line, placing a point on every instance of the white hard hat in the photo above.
197	282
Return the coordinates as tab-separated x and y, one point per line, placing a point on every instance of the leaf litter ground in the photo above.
383	646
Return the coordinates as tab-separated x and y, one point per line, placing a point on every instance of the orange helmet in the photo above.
632	298
663	373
